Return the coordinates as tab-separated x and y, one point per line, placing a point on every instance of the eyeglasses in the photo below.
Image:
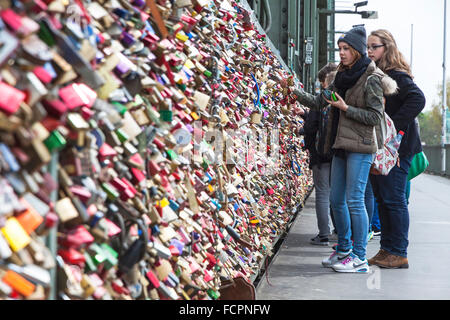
374	47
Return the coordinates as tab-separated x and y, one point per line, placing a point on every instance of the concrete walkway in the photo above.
296	272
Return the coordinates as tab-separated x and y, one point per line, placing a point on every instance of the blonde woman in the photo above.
390	190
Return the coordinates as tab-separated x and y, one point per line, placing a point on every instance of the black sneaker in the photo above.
320	241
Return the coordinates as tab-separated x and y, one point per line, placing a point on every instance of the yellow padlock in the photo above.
182	36
164	203
16	235
189	64
194	116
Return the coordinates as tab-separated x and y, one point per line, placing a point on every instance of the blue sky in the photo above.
427	17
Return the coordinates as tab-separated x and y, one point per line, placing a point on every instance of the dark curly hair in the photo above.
329	67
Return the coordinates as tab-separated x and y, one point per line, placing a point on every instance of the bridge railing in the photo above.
433	154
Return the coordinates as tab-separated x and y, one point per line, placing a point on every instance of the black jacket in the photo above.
403	108
313	121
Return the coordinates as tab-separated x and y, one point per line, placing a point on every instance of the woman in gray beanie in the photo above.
357	109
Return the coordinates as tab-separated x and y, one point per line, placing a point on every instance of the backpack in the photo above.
385	158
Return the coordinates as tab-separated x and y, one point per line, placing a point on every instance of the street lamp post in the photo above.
444	94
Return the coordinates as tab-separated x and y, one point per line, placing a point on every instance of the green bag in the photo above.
418	165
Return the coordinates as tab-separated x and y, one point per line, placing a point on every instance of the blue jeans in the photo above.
390	192
348	184
408	190
376	218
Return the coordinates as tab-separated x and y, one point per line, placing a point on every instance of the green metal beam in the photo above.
315	35
293	22
299	43
292	33
323	27
306	34
331	28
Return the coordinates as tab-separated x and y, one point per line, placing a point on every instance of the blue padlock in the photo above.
122	13
9	158
173	205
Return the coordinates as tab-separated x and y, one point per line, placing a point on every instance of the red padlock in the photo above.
51	219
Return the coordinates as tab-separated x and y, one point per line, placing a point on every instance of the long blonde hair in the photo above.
356	56
392	58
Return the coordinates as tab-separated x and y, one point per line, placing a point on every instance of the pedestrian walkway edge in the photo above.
267	261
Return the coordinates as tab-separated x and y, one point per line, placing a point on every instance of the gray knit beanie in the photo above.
356	38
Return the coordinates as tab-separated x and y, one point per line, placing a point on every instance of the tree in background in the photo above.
430	126
431	121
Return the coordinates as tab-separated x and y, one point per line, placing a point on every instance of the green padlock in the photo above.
171	154
138	23
207	73
166	115
122	135
55	141
205	164
213	294
120	107
45	35
182	86
90	264
111	256
111	192
99	255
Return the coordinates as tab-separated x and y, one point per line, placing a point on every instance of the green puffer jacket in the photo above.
358	125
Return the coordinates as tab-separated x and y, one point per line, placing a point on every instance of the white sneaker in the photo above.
335	257
351	264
